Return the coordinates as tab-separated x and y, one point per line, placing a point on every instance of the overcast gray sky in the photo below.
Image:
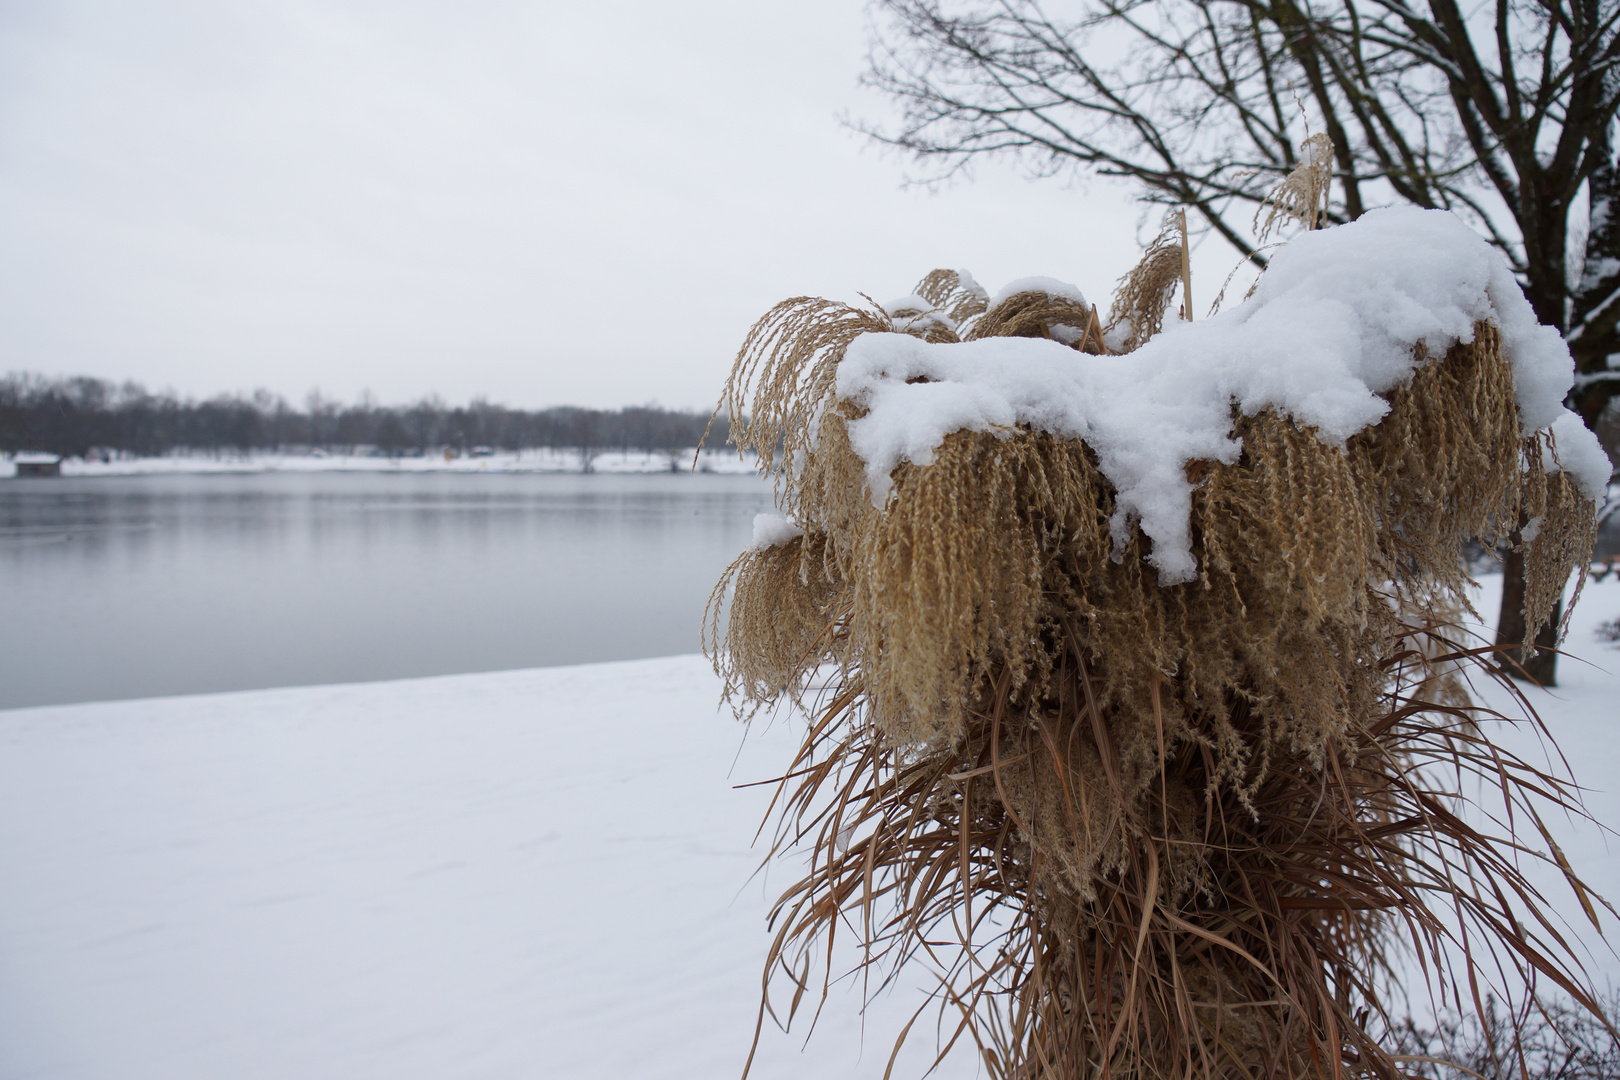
543	203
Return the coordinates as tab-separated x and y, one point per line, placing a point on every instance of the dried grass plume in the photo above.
1143	295
1303	194
1145	832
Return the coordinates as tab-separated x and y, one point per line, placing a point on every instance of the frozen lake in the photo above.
134	586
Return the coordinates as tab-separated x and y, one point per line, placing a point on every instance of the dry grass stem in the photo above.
959	300
1303	194
1144	294
1186	266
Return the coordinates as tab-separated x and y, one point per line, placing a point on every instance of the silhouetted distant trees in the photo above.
77	416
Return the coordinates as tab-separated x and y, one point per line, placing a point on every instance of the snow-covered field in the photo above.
530	873
1582	713
540	460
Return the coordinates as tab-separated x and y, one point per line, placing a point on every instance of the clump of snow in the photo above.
774	530
907	305
966	282
1580	454
1047	285
1144	420
1065	333
1332	325
1115	337
912	313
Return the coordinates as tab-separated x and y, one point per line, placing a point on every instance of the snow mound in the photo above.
913	314
1579	453
1049	286
964	281
1332	325
772	530
911	304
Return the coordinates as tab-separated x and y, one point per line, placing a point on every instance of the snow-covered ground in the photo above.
1582	713
539	460
530	873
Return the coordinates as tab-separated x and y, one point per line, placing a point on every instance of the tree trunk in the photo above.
1595	307
1541	666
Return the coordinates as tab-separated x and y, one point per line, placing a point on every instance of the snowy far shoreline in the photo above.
537	872
541	460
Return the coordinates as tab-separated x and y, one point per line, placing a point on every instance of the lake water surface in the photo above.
134	586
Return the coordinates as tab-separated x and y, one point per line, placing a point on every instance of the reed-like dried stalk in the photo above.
958	299
1303	194
1036	314
1150	832
1143	295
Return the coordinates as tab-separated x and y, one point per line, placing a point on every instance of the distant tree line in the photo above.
77	416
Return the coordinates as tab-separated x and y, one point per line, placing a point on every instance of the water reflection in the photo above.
134	586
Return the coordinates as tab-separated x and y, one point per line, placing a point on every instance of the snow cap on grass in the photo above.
967	284
772	530
907	305
1579	454
915	315
1334	323
1049	286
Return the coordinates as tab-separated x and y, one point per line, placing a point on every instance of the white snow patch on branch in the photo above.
1331	326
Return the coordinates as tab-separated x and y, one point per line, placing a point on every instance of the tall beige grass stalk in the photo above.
1148	832
1303	194
1147	291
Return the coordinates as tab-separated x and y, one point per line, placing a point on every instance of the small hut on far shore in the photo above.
33	464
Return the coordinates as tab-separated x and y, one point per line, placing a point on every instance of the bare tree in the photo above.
1501	111
1552	1040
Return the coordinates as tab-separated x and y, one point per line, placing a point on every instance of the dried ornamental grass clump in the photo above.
1136	676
